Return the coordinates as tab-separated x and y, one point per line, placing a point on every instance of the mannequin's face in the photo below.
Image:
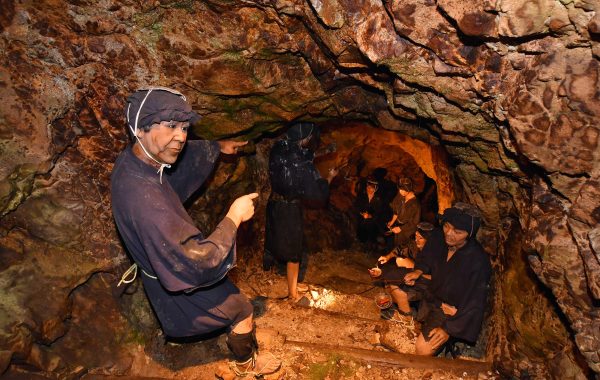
165	140
453	236
371	189
420	240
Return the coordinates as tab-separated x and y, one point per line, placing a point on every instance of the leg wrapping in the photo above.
242	346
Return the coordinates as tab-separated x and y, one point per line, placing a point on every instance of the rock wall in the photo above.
509	88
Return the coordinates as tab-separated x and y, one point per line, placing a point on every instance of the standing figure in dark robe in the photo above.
372	213
183	271
453	304
294	179
386	189
406	215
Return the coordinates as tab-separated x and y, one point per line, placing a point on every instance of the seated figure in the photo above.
372	214
453	303
393	272
450	279
406	210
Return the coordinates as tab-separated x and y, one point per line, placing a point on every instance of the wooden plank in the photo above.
456	366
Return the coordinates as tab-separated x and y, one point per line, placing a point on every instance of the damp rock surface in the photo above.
508	90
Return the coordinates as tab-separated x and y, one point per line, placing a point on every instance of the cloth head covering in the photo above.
152	105
405	184
372	181
424	229
155	104
463	216
300	131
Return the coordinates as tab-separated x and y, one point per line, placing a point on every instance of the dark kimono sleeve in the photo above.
411	214
194	165
382	213
314	188
423	260
360	205
466	323
179	255
397	204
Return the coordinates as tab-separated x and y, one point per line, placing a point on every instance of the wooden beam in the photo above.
457	366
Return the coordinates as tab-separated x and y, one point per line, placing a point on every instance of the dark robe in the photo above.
386	190
461	282
191	294
367	230
409	214
391	273
294	179
360	187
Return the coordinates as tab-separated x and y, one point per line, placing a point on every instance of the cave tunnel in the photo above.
360	149
363	149
496	105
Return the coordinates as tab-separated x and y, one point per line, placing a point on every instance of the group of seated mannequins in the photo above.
447	272
387	213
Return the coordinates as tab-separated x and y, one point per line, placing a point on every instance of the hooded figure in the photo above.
386	189
294	179
463	216
300	131
460	270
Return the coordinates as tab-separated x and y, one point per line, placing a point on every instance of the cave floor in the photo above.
340	336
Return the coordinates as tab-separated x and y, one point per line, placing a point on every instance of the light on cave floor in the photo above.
323	299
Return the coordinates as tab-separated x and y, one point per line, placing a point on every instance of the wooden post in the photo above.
457	366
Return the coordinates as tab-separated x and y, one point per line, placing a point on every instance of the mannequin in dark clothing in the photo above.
360	187
386	189
372	214
392	272
294	179
184	272
454	302
406	215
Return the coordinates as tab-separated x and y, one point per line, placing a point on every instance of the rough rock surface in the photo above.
509	89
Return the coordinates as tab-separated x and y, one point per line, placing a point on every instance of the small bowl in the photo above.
383	300
375	272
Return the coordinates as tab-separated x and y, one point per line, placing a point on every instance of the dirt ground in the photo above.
340	336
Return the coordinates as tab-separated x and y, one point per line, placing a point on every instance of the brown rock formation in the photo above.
509	89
